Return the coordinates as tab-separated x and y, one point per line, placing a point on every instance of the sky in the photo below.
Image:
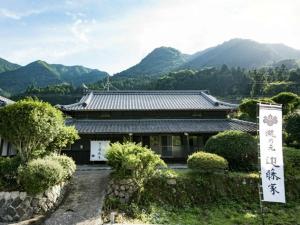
112	35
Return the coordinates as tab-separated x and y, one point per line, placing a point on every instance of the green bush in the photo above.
292	127
206	162
8	171
130	160
66	162
40	174
239	148
291	161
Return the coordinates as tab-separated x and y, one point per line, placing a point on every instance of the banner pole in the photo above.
259	169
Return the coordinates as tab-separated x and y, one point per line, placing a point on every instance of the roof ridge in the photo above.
147	91
81	119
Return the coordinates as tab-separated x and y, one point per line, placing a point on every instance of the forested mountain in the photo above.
7	66
42	74
288	63
223	69
242	53
159	61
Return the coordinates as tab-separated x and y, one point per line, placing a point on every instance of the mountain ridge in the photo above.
41	74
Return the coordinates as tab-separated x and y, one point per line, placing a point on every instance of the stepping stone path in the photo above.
84	201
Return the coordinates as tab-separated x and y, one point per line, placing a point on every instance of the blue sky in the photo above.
113	35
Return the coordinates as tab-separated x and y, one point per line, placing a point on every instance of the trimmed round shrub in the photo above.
206	162
66	162
239	148
40	174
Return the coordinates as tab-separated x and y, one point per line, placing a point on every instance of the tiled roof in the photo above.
5	101
85	126
147	100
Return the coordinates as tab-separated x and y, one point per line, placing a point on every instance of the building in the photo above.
172	123
6	149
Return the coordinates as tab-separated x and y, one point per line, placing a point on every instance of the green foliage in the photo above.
130	160
289	101
291	158
249	107
239	148
40	174
66	136
33	125
278	86
206	162
66	162
8	172
292	127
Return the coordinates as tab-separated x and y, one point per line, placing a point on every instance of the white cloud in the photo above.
17	15
117	42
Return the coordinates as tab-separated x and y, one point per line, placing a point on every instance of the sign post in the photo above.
271	157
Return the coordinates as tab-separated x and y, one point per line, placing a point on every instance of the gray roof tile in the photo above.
85	126
147	100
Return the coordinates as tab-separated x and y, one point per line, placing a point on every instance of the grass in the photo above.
223	212
217	214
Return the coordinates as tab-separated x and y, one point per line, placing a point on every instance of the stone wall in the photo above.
17	206
121	189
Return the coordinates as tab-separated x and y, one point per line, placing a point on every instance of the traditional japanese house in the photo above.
6	149
172	123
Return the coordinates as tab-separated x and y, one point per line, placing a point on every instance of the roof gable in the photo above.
147	100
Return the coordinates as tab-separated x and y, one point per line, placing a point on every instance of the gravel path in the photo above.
84	201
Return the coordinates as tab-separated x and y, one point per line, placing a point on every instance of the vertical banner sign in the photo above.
270	136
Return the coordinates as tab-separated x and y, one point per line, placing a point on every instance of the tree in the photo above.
249	107
259	81
31	126
67	135
289	101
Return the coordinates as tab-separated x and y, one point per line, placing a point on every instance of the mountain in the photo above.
7	66
159	61
288	63
42	74
241	53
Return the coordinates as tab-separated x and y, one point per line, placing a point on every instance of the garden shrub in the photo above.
206	162
291	161
292	127
237	147
66	162
8	171
40	174
130	160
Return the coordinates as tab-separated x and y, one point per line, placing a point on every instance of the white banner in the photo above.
98	150
270	136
